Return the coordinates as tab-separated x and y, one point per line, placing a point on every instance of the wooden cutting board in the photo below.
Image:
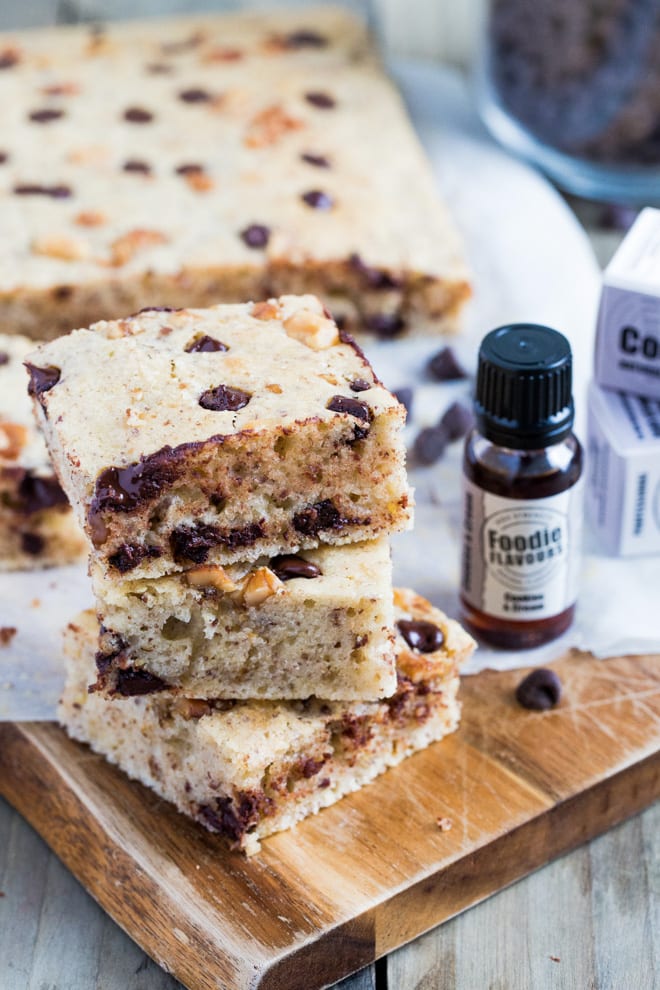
374	871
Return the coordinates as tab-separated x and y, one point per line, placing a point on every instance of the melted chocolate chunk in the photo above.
132	682
135	165
37	493
136	115
360	385
457	421
430	444
318	200
113	645
125	489
224	398
321	515
190	168
384	324
195	96
4	358
288	566
256	235
344	404
193	543
204	344
32	544
243	537
229	820
321	100
374	278
56	192
318	161
8	59
42	379
445	366
129	555
425	637
46	115
540	690
305	38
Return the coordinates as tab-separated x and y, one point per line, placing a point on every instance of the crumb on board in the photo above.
555	958
7	633
35	603
444	824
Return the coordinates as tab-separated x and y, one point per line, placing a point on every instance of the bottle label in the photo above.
521	557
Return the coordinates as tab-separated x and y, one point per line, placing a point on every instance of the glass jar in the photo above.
574	86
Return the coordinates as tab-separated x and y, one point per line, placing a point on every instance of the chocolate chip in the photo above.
37	493
384	324
129	555
56	192
430	444
321	515
42	379
4	358
3	157
321	100
318	161
62	292
359	385
134	165
305	39
136	115
445	366
46	115
425	637
132	682
224	398
159	69
374	278
256	235
344	404
193	543
8	59
457	421
32	544
205	344
155	309
123	489
195	96
190	168
244	536
318	200
540	690
288	566
405	397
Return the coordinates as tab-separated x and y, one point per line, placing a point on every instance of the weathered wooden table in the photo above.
588	920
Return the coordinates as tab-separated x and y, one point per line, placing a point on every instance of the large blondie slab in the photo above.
209	436
246	769
207	159
37	527
320	622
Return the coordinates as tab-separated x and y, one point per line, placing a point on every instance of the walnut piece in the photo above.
125	247
312	329
269	126
61	246
265	311
90	218
13	437
210	576
260	585
192	707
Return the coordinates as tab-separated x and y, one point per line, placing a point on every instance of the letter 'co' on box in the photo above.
628	335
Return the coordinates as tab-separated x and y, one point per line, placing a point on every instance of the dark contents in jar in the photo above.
583	76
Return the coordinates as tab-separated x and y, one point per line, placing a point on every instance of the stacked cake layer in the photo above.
238	477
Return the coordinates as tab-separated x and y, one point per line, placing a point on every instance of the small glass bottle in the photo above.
522	506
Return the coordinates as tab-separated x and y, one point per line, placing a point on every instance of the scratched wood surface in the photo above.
371	873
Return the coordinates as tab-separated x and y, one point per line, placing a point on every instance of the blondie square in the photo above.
37	527
319	622
186	437
246	769
205	159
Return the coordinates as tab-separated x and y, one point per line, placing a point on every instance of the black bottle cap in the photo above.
523	395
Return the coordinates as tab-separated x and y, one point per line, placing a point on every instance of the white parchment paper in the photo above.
531	262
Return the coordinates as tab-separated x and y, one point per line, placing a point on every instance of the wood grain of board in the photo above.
372	872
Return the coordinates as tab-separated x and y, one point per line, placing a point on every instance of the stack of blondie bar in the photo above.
238	471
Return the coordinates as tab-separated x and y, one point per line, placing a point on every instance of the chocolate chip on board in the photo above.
288	566
445	366
456	421
430	444
405	396
540	690
425	637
